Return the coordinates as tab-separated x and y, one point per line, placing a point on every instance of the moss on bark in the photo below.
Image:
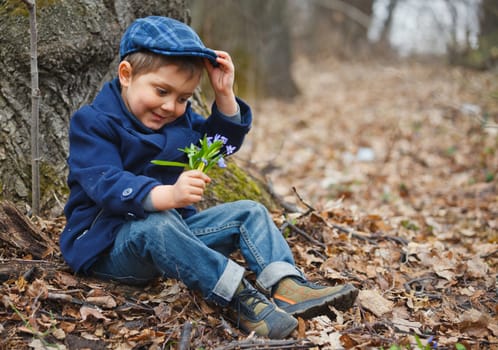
233	183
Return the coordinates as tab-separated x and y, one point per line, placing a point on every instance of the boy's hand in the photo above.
187	190
222	79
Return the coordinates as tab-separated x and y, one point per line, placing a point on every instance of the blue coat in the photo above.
110	173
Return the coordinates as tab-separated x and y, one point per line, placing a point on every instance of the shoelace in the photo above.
244	297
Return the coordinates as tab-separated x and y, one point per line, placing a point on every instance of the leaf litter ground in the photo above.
391	169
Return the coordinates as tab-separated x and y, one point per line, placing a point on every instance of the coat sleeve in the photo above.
96	165
231	132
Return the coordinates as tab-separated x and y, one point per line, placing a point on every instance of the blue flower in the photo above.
204	156
221	163
432	342
230	149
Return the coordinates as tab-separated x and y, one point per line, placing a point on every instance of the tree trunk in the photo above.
78	44
488	37
257	34
339	28
485	55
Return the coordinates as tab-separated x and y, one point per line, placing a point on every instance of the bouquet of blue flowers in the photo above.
202	157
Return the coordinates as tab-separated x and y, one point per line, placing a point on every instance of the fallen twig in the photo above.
64	297
489	255
310	208
29	275
185	336
366	237
304	234
421	292
289	207
227	328
349	231
255	343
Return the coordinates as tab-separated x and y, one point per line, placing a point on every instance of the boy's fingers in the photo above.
221	53
223	57
199	174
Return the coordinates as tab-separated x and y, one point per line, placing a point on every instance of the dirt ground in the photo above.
411	148
392	170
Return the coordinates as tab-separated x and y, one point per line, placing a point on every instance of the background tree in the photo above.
257	33
336	28
485	56
266	36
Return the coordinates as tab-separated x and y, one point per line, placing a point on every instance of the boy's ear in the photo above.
124	73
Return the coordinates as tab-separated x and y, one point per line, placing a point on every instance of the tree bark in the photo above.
22	237
77	52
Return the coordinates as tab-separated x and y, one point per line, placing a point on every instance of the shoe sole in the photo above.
342	300
284	333
276	333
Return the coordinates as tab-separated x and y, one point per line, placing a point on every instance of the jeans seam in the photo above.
206	231
252	248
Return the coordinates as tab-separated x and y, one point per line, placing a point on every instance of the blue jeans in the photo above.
195	250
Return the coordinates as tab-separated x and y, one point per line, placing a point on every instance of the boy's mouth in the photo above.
158	116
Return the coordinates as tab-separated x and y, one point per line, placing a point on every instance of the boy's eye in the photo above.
183	99
161	92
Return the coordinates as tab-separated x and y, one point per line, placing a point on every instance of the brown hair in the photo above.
144	62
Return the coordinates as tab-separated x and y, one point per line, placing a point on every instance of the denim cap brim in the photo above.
163	36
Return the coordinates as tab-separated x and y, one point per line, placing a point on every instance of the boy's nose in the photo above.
169	105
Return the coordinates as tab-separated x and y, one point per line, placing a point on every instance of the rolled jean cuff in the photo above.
229	281
274	273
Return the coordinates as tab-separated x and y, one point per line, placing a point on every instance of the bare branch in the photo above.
347	9
35	110
30	3
185	336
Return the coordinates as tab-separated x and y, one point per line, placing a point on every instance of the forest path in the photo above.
400	139
406	154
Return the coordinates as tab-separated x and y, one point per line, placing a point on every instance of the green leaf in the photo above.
201	158
168	163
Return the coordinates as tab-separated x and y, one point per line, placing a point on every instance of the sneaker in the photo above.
254	312
301	298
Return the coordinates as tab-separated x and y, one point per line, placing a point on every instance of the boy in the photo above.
133	221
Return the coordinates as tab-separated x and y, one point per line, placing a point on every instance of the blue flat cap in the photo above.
164	36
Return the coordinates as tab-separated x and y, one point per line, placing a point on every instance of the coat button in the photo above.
127	192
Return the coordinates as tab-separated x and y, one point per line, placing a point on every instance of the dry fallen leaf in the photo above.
406	326
86	311
374	302
477	268
163	312
58	333
37	344
474	322
106	301
66	280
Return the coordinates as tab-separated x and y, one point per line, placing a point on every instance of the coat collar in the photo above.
110	102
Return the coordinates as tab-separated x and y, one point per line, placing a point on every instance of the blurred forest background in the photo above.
266	37
270	40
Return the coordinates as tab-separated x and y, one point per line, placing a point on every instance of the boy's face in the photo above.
157	98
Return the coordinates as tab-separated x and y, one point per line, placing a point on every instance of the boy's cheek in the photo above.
182	111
